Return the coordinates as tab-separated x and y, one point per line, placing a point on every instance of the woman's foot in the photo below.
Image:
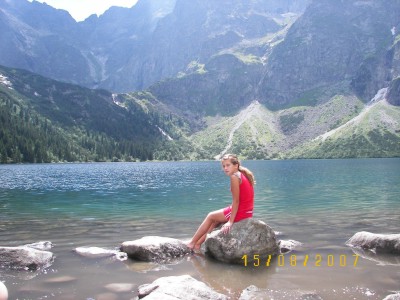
194	247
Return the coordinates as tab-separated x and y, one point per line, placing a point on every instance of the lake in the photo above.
320	203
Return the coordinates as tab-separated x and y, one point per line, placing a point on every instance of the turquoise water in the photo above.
320	203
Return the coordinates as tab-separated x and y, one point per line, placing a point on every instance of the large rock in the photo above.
25	258
155	248
377	243
178	287
248	237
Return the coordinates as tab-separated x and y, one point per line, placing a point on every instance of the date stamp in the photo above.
316	260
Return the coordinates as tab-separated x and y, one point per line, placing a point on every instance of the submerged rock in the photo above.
120	287
155	248
25	258
380	258
377	243
249	237
178	287
253	293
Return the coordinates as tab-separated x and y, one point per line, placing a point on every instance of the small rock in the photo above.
377	243
155	248
106	296
178	287
288	245
44	245
120	287
248	237
61	279
96	252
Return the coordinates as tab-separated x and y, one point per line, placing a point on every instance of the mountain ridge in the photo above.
263	78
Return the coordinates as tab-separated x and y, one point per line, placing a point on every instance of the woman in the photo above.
242	182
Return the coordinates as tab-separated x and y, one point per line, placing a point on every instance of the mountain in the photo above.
334	45
42	120
130	49
261	78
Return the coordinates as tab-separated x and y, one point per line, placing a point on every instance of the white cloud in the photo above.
81	9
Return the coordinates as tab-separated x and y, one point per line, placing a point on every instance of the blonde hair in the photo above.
235	161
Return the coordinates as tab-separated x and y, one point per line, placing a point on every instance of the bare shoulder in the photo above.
236	177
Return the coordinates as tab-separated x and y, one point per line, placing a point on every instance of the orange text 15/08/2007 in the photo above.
317	260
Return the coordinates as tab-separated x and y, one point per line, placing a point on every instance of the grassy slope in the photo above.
293	132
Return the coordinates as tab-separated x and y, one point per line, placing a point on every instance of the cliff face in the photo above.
130	49
333	44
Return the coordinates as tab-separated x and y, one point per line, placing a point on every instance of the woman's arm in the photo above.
235	189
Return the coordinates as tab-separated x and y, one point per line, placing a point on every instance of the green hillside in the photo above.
42	120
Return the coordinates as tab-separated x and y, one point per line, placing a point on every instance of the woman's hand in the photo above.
226	228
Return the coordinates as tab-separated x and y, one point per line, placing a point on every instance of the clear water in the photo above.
320	203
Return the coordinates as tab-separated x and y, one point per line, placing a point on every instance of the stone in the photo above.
392	297
178	287
60	279
25	258
155	249
248	237
377	243
120	287
43	245
97	252
254	293
288	245
3	291
381	258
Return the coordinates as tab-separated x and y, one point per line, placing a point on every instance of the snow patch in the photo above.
4	80
393	30
165	134
380	95
116	102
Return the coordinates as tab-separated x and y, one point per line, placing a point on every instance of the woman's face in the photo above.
228	167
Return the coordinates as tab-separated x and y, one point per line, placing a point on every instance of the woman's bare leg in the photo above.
209	223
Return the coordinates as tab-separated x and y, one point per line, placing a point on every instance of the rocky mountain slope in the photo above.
259	78
129	49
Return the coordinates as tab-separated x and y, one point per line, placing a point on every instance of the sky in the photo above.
81	9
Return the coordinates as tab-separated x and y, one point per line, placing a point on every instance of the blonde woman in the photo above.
242	182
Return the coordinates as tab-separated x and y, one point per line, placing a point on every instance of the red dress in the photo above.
246	201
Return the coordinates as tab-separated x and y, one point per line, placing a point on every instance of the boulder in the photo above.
249	237
178	287
155	248
25	258
377	243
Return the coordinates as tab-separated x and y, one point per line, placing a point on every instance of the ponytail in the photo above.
235	161
249	175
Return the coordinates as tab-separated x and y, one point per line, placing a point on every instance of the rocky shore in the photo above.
248	238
